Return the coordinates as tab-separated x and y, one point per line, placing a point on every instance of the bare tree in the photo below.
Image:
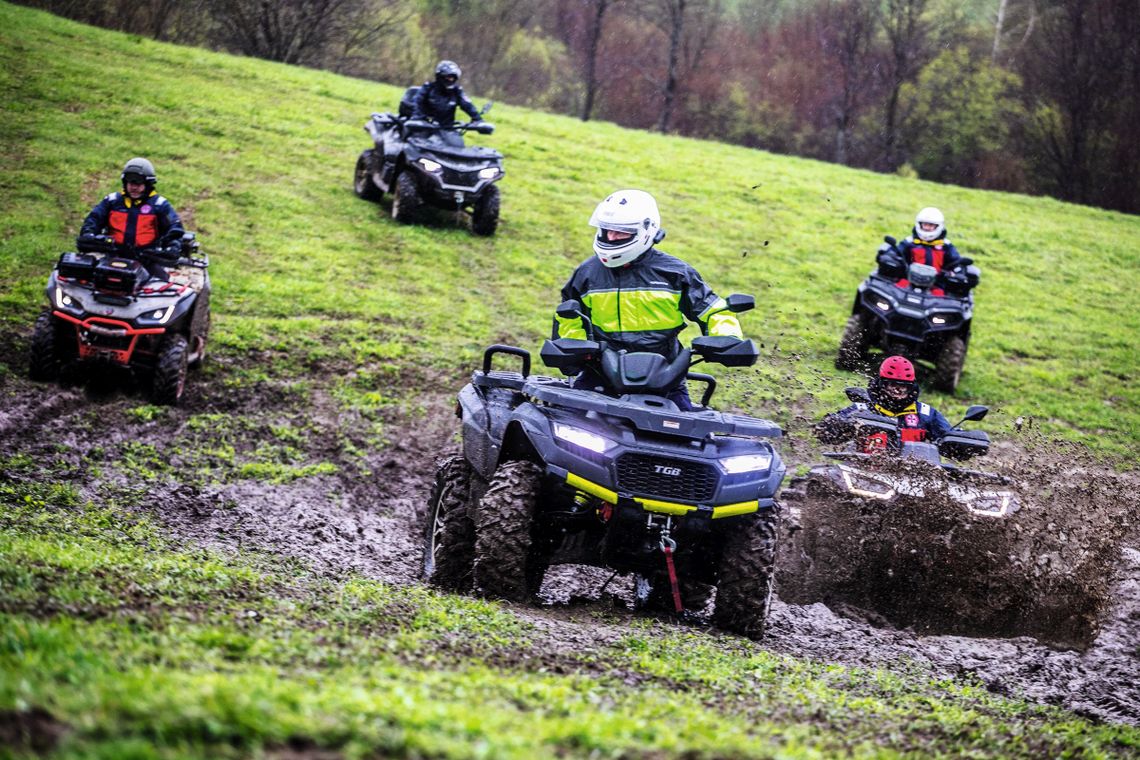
908	49
290	31
688	26
1014	18
593	39
847	37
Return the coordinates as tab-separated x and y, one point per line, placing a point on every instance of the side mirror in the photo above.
965	261
487	107
739	302
569	309
975	413
657	238
858	395
890	241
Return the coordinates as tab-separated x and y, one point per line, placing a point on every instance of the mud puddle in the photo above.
366	517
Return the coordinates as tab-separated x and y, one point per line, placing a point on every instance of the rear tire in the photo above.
951	359
449	535
362	183
44	358
170	370
407	202
504	567
744	590
485	217
854	344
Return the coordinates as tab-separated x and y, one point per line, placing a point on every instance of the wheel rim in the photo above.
438	527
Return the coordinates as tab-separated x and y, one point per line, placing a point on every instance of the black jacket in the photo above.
439	104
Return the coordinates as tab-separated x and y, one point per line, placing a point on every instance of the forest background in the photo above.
1029	96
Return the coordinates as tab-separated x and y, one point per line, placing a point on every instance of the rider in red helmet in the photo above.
894	393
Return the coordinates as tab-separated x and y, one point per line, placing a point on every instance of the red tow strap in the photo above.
677	606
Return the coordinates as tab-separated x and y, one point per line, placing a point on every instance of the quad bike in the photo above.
424	163
889	525
910	312
550	474
106	309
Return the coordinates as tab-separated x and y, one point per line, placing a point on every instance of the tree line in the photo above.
1032	96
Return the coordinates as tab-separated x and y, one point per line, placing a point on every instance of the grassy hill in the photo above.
259	158
138	647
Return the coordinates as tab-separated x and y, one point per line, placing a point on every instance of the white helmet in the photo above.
929	215
630	211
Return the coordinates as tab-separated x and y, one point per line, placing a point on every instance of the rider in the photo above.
894	393
137	218
638	297
438	100
927	244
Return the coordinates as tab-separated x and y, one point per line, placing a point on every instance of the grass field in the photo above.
135	646
259	158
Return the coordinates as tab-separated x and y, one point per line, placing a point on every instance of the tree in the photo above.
290	31
846	39
907	51
962	111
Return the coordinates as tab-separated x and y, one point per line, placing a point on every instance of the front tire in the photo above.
744	591
44	358
362	183
504	567
407	202
449	535
854	344
485	217
170	370
951	360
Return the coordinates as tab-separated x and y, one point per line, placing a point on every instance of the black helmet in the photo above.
447	74
139	170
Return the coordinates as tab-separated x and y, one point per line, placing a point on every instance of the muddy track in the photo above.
366	517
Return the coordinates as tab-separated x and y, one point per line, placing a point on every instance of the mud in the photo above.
366	517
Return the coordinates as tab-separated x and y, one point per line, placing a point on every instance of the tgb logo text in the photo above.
661	469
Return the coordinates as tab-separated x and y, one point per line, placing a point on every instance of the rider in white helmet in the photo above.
637	296
927	244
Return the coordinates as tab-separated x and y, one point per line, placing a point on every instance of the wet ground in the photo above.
366	517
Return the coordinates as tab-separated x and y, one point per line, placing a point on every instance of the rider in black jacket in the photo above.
438	100
636	296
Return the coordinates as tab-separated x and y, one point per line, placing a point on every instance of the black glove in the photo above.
92	243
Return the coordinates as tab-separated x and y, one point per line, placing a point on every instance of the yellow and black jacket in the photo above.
643	305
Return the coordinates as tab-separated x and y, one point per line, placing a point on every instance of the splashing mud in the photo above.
365	515
929	562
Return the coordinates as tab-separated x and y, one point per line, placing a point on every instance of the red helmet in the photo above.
897	368
895	388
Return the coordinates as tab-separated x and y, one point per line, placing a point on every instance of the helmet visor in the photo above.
895	389
928	226
134	179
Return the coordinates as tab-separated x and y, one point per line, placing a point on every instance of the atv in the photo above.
106	309
908	311
550	474
424	163
890	525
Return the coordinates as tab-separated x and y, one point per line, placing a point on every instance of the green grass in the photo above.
137	647
307	277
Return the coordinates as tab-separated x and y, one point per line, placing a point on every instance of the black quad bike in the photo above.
881	472
888	525
550	474
907	311
105	309
424	163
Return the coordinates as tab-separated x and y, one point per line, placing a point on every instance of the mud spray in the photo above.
932	565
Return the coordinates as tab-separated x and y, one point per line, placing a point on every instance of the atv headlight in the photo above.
882	306
158	316
489	173
992	505
863	485
579	437
66	301
746	463
429	165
